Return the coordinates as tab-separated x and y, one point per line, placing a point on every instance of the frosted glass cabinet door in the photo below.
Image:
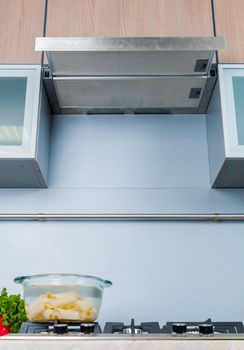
225	128
19	100
232	96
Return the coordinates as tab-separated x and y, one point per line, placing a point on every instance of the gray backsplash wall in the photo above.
161	270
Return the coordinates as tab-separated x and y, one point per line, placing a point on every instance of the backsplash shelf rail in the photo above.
127	217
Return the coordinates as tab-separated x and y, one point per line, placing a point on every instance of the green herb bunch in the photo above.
12	310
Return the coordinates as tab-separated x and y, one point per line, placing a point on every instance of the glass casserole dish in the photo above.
66	297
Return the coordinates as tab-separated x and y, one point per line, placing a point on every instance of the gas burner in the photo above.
57	328
203	328
121	328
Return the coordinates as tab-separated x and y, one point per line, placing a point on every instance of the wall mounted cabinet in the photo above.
230	24
129	18
24	127
21	21
225	128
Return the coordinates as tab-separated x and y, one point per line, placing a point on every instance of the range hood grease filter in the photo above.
129	75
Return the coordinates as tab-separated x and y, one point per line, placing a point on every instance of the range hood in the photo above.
87	75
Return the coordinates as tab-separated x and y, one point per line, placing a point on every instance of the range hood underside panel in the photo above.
128	93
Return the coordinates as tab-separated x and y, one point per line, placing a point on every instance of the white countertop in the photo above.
113	342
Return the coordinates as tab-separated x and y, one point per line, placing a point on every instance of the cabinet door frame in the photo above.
31	112
226	72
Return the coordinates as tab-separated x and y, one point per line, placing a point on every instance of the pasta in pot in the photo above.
67	306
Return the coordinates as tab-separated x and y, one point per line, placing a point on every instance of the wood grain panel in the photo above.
83	18
129	17
21	21
230	23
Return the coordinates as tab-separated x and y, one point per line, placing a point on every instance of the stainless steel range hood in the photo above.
129	75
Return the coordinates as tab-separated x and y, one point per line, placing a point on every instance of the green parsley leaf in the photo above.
12	310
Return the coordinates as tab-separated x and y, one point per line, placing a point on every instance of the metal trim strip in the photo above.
129	43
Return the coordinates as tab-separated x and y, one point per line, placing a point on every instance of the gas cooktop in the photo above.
205	328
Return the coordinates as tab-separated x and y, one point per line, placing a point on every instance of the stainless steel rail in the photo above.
126	217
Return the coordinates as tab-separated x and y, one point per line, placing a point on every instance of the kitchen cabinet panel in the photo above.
24	127
230	24
129	18
21	21
225	125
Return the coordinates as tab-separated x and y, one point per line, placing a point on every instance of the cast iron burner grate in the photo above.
121	328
